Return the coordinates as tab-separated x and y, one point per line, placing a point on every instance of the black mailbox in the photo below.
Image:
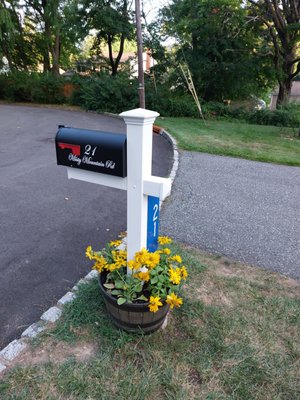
96	151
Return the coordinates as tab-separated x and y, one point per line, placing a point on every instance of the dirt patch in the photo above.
57	353
268	283
292	285
225	276
210	294
228	270
213	298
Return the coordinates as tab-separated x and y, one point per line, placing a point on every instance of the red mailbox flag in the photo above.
75	148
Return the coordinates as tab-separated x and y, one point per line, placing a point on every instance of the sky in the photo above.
151	7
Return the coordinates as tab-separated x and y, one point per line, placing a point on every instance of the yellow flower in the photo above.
175	276
132	264
122	254
166	251
154	303
119	264
115	243
89	252
164	240
176	258
112	267
143	276
142	256
173	300
184	273
114	254
120	258
100	264
153	260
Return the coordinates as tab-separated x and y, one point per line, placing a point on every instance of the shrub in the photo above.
170	103
109	93
215	109
103	92
288	116
31	87
78	83
48	88
182	106
173	106
280	117
16	86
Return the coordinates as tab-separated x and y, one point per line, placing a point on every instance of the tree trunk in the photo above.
46	62
282	21
56	55
114	63
120	53
285	84
284	93
47	39
114	68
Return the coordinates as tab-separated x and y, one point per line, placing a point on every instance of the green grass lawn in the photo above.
236	139
254	142
235	337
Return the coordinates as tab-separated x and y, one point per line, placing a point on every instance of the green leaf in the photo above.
116	292
119	284
109	285
138	288
154	280
121	301
142	297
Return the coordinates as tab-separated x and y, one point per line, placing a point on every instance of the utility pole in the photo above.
140	54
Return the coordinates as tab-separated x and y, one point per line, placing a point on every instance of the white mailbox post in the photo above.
139	182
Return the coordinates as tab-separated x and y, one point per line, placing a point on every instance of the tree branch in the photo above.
276	16
296	71
295	61
110	53
295	8
121	49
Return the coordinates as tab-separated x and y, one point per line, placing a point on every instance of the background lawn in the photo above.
254	142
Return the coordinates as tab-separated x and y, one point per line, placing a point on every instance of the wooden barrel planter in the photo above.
132	317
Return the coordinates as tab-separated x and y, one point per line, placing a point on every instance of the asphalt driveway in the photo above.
247	210
46	220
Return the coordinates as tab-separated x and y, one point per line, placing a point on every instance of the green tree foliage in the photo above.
281	34
6	28
6	24
54	37
34	32
15	44
216	41
112	21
